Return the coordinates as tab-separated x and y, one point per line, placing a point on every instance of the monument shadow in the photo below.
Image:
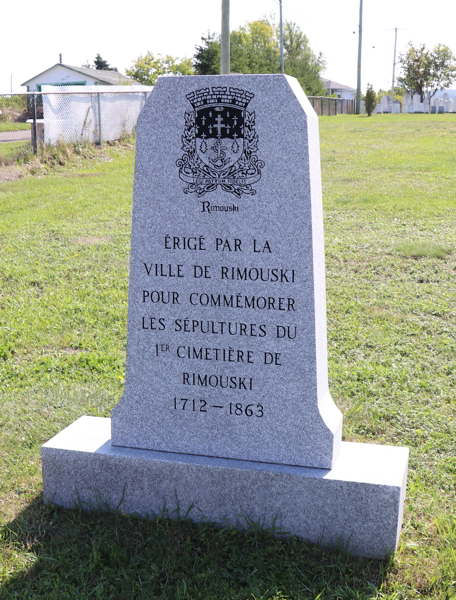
79	554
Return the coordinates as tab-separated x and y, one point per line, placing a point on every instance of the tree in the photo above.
427	71
102	65
398	93
255	48
370	99
206	60
146	69
301	62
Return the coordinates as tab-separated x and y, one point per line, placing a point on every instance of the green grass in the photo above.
14	102
421	249
389	186
14	126
11	152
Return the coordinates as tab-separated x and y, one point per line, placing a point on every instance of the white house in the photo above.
342	91
60	74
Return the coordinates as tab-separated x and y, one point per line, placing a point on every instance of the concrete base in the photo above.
357	505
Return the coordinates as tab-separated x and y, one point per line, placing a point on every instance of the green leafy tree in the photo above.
427	71
206	60
255	48
301	62
399	93
146	69
102	65
370	100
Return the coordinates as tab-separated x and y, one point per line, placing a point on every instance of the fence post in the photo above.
335	107
34	127
100	133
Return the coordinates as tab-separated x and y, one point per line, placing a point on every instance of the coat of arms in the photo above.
220	143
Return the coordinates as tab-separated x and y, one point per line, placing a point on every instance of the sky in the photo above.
121	32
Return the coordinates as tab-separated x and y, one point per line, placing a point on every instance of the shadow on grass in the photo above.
77	555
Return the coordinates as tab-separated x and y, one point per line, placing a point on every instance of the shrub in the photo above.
370	100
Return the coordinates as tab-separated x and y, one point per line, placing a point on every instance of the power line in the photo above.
369	29
297	14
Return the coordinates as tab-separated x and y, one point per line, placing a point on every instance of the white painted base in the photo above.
358	504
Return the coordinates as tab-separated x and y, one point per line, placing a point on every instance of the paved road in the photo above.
24	135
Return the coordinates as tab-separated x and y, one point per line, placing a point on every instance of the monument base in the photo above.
357	505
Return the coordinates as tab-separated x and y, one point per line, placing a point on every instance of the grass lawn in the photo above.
10	151
390	198
4	126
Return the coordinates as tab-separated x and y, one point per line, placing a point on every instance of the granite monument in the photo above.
226	405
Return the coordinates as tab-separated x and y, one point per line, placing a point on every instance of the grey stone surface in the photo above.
258	389
226	405
357	504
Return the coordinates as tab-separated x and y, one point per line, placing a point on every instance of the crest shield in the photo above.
219	135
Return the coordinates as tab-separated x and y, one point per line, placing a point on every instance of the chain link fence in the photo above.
70	115
15	132
67	116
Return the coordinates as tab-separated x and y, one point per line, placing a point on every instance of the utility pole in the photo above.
282	70
394	58
360	40
225	41
394	63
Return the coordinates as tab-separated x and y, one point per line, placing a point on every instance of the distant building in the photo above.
341	90
60	74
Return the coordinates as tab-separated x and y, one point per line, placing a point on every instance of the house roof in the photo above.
329	84
108	77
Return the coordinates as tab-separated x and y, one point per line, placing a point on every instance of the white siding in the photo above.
59	74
